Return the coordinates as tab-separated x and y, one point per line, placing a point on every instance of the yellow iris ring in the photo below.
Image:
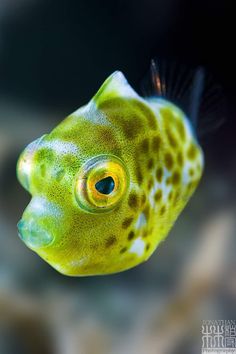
93	171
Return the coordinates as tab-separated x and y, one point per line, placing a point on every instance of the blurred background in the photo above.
54	55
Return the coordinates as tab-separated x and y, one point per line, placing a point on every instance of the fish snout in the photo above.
33	234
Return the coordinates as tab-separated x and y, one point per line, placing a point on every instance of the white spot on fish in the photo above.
141	221
121	85
166	191
152	194
60	147
91	113
25	163
79	262
25	166
186	177
137	247
42	207
163	186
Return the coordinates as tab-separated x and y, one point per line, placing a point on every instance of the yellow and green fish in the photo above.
109	181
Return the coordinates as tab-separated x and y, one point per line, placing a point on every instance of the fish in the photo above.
109	182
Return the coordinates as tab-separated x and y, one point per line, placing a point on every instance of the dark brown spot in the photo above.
145	234
150	164
131	235
156	143
176	177
168	180
133	200
150	183
190	186
131	128
143	200
171	139
158	195
170	195
147	113
139	175
148	246
146	211
106	135
116	108
123	250
162	210
192	152
152	121
169	160
191	172
110	241
127	222
176	197
181	130
159	174
144	146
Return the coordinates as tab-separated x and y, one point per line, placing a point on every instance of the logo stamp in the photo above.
219	337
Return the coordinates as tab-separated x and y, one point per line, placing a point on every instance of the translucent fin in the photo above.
196	96
194	91
212	110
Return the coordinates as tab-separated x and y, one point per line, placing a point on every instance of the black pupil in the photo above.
105	185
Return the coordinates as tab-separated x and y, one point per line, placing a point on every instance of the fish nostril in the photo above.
33	235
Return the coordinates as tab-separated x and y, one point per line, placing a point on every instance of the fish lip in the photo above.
33	235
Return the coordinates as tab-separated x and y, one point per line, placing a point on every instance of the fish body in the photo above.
109	181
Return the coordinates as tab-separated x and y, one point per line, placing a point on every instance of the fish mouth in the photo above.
33	235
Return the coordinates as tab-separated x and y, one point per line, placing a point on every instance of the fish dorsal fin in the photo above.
115	86
191	89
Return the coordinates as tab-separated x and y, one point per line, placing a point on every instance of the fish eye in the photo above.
101	183
105	185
